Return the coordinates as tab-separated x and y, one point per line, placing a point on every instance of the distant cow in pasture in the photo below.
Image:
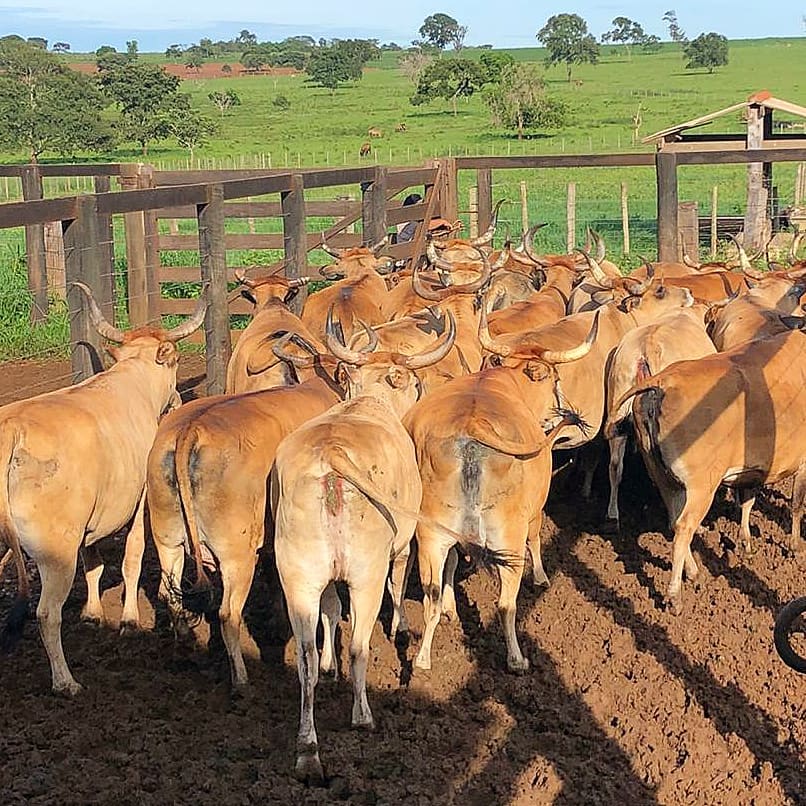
374	131
401	127
365	150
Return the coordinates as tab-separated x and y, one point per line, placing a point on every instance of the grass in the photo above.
322	128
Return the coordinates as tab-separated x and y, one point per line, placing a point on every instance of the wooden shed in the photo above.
757	115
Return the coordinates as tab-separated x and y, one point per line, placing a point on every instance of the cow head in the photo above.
272	286
392	377
357	261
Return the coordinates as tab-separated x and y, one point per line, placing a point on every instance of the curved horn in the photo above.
600	246
298	282
744	261
423	291
97	318
436	260
487	236
793	248
639	287
521	258
301	362
574	353
783	624
375	248
240	276
596	270
336	253
341	351
529	245
502	259
490	344
438	351
193	322
689	262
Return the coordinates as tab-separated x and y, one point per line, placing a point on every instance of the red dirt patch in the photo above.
206	70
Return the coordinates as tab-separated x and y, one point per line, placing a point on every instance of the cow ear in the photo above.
397	377
166	352
660	291
630	302
536	371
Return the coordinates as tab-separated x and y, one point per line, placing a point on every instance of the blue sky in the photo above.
86	24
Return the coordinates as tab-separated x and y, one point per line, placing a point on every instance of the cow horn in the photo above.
744	261
341	351
298	282
240	276
490	344
279	350
596	270
97	319
793	248
193	322
639	287
521	258
689	262
529	245
435	260
502	259
336	253
376	248
423	291
600	245
489	233
573	353
438	351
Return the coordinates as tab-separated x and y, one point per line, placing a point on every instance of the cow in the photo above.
485	464
400	128
733	418
359	294
643	352
253	365
374	131
207	490
365	150
73	472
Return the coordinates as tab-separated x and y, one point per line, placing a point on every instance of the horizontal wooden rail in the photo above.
269	240
39	211
731	157
559	161
101	169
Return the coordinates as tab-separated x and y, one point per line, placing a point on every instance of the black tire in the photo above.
783	623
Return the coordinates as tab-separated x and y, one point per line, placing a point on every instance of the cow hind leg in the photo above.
449	586
534	546
798	508
397	590
694	510
747	498
365	603
93	570
507	605
132	565
172	565
431	555
236	577
57	574
618	445
331	616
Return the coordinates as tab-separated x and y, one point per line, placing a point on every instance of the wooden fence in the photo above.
210	197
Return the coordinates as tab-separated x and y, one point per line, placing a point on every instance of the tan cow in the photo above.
643	352
253	365
73	472
734	418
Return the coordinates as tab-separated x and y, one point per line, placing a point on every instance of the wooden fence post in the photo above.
571	217
151	253
134	228
484	182
473	205
373	207
524	207
714	219
54	259
84	262
688	227
666	177
35	246
449	191
295	236
213	259
106	232
625	218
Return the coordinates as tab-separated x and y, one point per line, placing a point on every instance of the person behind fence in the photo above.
406	230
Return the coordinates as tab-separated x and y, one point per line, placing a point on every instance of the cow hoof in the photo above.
450	615
518	666
129	629
92	619
364	724
308	769
423	663
611	526
68	689
674	604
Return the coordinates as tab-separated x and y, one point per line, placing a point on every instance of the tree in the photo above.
246	38
226	68
449	79
330	66
147	97
174	52
707	50
191	129
519	101
46	107
495	63
107	58
224	100
60	47
625	32
441	30
37	42
413	63
651	44
132	49
566	39
193	62
676	33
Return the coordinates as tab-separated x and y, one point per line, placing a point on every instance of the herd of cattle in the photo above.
403	403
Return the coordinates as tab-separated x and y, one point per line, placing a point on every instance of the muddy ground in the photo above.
624	703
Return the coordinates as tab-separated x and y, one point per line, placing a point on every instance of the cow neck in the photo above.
563	297
148	381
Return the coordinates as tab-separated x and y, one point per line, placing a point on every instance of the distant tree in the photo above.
205	47
107	58
519	101
651	44
330	66
191	129
441	30
391	46
174	52
281	102
225	100
37	42
625	32
193	62
359	50
413	63
707	50
255	58
226	68
246	38
147	97
676	33
485	47
494	64
449	79
132	49
46	107
60	47
567	40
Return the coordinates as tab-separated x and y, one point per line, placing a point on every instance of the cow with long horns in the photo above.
73	472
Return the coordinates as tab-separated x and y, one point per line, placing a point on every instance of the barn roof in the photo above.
762	98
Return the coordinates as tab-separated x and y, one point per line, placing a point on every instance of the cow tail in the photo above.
617	424
344	466
12	630
199	597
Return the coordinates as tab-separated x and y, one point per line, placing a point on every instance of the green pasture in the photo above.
322	129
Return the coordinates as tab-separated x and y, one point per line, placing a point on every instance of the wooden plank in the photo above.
571	217
398	215
84	262
756	207
337	176
92	169
625	220
484	181
134	231
397	180
295	238
192	274
133	200
247	241
373	207
213	260
184	307
259	186
448	190
103	184
35	247
688	229
557	161
21	214
152	255
666	177
750	155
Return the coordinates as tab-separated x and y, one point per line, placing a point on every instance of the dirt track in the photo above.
624	702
